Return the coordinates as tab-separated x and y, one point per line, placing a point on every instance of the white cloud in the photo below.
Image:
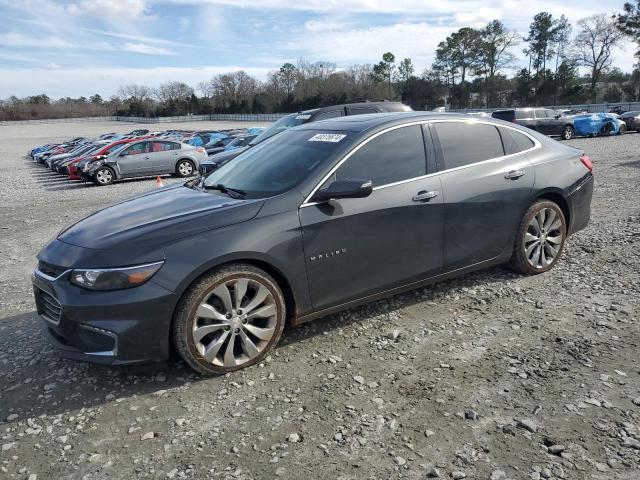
21	40
415	40
108	8
323	25
145	49
478	17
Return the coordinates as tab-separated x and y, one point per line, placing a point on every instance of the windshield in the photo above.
277	166
281	125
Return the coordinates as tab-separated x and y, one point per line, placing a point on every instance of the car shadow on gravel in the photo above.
390	305
35	380
635	164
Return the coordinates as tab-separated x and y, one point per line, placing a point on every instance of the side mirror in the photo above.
122	154
344	189
557	116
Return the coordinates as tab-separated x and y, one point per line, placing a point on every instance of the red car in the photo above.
74	167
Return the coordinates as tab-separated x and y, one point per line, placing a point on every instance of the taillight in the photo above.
586	161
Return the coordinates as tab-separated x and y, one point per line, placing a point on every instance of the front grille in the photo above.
50	270
48	305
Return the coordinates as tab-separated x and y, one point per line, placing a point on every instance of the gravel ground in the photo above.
489	376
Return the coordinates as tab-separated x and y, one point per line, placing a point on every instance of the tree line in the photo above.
473	68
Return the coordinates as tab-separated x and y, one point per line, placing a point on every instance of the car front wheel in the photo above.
185	168
567	133
540	238
104	176
228	320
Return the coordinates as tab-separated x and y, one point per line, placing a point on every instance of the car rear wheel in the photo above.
185	168
104	176
228	320
567	133
540	239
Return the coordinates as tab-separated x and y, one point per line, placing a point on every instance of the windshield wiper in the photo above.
232	192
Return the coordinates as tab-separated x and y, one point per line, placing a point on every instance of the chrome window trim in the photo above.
536	145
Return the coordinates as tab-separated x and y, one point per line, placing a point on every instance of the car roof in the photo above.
352	105
360	123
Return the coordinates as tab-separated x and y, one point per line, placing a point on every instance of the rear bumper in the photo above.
580	204
118	327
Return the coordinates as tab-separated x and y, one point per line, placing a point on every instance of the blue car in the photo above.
591	125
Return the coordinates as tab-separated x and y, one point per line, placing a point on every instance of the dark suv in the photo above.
306	116
315	220
546	121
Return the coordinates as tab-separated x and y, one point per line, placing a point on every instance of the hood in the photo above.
157	218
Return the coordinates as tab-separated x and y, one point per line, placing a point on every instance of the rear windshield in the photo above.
278	165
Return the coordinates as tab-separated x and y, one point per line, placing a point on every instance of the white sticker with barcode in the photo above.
327	137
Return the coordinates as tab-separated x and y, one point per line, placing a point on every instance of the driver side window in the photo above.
391	157
136	149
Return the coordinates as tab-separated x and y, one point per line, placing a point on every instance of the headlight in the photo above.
91	165
114	278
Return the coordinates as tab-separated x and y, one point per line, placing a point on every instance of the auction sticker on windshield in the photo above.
327	137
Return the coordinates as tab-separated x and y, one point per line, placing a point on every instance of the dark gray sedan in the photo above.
317	219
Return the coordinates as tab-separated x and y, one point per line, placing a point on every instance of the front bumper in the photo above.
116	327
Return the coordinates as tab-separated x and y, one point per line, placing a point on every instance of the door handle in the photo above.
424	196
515	174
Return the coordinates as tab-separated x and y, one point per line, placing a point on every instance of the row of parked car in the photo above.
139	153
142	153
569	123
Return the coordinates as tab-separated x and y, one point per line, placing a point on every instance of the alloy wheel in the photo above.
235	322
543	238
104	176
185	169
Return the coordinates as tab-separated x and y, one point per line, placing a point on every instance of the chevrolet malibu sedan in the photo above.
145	158
315	220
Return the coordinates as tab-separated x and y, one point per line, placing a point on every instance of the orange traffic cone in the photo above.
159	182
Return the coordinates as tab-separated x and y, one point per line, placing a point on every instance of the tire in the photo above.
623	130
203	327
104	176
185	168
528	257
567	133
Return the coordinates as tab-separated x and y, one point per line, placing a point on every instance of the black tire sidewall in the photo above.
567	133
196	294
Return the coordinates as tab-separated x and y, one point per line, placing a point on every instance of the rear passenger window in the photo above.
466	143
391	157
361	110
514	141
329	114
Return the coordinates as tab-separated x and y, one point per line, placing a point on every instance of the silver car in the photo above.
145	158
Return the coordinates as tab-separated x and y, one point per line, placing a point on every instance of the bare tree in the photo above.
597	36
